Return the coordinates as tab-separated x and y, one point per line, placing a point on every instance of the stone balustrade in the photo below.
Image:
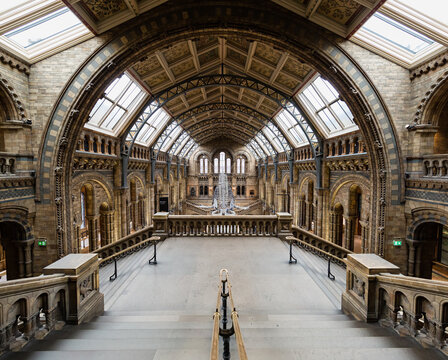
166	225
319	246
435	166
376	291
68	292
137	237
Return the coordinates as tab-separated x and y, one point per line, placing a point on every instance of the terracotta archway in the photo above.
272	24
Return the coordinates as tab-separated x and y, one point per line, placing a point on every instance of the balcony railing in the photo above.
376	291
67	292
278	225
319	246
138	237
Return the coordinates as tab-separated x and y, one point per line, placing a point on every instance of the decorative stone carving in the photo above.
86	287
359	286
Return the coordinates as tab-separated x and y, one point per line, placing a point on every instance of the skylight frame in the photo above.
288	123
28	12
415	20
160	117
129	112
315	113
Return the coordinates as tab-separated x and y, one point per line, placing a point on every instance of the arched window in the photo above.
203	165
240	165
222	162
215	165
83	207
222	165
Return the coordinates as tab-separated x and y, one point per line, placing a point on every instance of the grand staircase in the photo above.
177	321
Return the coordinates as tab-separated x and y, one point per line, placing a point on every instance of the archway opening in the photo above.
431	251
17	252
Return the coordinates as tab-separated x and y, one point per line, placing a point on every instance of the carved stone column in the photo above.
309	214
92	233
411	256
349	232
28	259
123	213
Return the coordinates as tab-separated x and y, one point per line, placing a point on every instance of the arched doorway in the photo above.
18	250
353	225
337	224
429	251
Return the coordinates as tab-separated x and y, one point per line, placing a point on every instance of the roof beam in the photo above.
279	67
133	6
194	53
312	7
250	54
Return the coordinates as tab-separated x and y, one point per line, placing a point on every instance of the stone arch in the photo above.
19	215
95	178
430	104
300	38
11	104
423	215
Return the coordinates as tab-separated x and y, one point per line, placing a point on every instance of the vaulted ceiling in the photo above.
340	16
213	55
217	111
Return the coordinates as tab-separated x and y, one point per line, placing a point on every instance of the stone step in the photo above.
121	325
265	342
253	354
206	333
208	317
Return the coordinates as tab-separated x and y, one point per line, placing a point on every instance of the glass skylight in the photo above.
44	28
120	98
7	5
171	137
152	126
435	9
257	149
397	33
325	107
291	127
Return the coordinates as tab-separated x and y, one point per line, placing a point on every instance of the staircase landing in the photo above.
165	312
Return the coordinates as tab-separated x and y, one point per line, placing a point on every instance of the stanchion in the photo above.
330	275
292	259
115	274
224	332
153	260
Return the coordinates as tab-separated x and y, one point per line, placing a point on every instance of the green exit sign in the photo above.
397	242
42	242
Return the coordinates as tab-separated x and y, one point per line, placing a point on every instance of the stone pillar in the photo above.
349	233
365	237
320	211
92	233
411	256
160	220
28	257
332	226
21	259
360	297
302	212
123	213
84	298
284	225
309	214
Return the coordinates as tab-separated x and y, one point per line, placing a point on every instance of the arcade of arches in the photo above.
138	117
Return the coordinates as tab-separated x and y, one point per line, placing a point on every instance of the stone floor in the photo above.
164	311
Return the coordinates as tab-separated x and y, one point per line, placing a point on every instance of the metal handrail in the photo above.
224	278
236	326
